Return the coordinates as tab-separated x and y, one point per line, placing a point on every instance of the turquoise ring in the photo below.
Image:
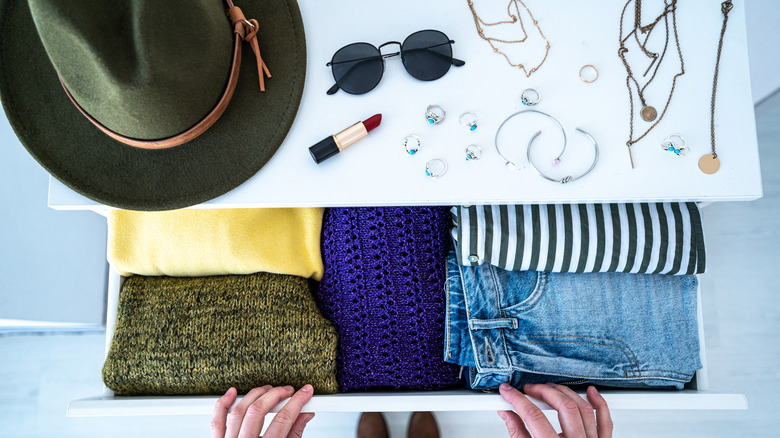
412	144
435	168
473	152
679	148
469	120
435	114
530	97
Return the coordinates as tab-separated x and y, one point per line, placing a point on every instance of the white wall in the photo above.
52	264
763	17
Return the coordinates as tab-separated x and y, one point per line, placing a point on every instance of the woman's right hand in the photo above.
247	417
575	414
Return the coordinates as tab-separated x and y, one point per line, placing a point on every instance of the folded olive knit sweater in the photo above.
202	335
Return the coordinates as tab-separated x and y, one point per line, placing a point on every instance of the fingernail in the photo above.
594	389
307	388
289	388
308	419
506	386
550	384
503	416
228	391
528	386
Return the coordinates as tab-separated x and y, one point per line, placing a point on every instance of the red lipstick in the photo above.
338	142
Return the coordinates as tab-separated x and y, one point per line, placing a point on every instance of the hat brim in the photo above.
75	152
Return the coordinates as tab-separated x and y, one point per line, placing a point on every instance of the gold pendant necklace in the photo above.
479	22
647	112
710	163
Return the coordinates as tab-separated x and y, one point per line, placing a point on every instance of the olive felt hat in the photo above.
155	74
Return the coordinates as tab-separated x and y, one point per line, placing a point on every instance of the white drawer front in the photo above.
697	396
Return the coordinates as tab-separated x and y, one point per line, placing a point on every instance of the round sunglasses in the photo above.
358	67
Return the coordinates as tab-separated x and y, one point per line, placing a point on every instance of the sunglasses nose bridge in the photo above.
391	54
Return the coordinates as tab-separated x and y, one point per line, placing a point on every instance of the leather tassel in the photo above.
247	30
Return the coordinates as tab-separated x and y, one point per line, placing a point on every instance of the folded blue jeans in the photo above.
611	329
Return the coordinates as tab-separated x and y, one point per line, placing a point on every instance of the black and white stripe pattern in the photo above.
664	238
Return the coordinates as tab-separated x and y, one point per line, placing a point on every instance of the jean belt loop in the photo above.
495	323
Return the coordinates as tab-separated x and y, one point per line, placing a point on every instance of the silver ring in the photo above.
568	178
469	120
435	114
473	152
588	68
669	145
414	147
530	96
429	168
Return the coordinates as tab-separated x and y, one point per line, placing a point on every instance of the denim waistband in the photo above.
614	329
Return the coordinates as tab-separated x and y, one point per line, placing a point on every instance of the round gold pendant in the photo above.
709	163
648	113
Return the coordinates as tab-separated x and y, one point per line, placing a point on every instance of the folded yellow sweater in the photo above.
203	242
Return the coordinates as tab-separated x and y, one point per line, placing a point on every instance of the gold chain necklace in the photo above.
648	113
479	22
710	163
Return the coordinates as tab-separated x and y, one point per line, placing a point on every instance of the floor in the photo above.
39	374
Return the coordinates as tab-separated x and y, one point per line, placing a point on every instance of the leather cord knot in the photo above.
247	31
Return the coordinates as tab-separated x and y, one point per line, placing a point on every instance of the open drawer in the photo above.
696	395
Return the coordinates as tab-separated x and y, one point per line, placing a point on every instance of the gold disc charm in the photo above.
648	113
709	163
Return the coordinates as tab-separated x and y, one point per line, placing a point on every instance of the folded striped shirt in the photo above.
662	238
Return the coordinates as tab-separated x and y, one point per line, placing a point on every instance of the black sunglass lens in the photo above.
357	68
427	54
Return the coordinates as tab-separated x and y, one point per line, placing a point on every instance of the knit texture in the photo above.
203	335
383	288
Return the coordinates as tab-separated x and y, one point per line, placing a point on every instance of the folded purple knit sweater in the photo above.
383	288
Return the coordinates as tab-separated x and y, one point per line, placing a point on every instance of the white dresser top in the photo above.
377	170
